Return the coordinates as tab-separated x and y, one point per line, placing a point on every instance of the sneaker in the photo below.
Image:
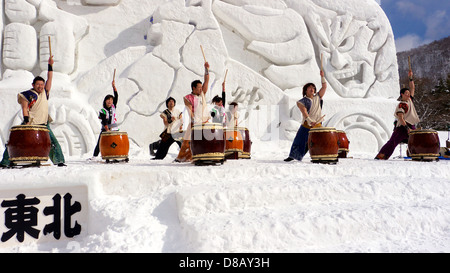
62	165
288	159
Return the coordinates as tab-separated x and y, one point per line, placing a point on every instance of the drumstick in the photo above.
114	76
50	46
321	62
320	120
409	63
226	72
203	53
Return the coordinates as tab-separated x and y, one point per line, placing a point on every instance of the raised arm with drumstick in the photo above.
107	115
218	112
195	104
48	83
223	89
311	108
406	119
197	88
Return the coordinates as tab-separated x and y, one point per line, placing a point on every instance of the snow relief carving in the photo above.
270	48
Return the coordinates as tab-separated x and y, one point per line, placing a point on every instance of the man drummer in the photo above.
406	120
311	108
34	104
196	107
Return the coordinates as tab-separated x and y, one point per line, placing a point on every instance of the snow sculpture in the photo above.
20	52
20	43
271	49
356	45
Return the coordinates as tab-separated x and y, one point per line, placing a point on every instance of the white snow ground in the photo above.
251	206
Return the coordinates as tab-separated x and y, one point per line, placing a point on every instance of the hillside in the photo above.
427	61
431	66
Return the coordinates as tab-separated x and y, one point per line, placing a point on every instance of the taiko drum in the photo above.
246	152
234	143
423	144
29	143
323	144
114	145
207	143
343	144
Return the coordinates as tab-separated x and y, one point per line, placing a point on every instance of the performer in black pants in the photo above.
173	125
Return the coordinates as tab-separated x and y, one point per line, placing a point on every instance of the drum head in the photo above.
207	126
423	131
114	133
323	129
29	127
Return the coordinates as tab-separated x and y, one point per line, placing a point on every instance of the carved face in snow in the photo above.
348	63
356	45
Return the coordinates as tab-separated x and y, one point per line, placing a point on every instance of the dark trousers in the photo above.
163	147
97	147
399	135
300	145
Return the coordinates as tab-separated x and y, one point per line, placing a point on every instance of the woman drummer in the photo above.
311	108
108	118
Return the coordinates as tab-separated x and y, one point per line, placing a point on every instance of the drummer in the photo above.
232	115
108	117
218	111
406	120
198	113
173	125
311	108
34	103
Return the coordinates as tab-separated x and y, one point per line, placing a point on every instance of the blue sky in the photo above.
417	22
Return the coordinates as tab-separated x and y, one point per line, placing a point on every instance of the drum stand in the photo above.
115	160
326	161
209	162
14	165
400	156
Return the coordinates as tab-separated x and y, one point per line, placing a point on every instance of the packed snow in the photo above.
258	205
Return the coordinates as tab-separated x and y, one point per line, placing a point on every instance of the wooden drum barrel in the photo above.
343	144
323	145
207	144
424	145
114	145
234	143
29	143
246	153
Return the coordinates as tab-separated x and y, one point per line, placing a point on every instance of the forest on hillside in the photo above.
432	102
431	66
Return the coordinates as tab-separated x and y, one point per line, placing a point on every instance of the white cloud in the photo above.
408	42
411	9
438	25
